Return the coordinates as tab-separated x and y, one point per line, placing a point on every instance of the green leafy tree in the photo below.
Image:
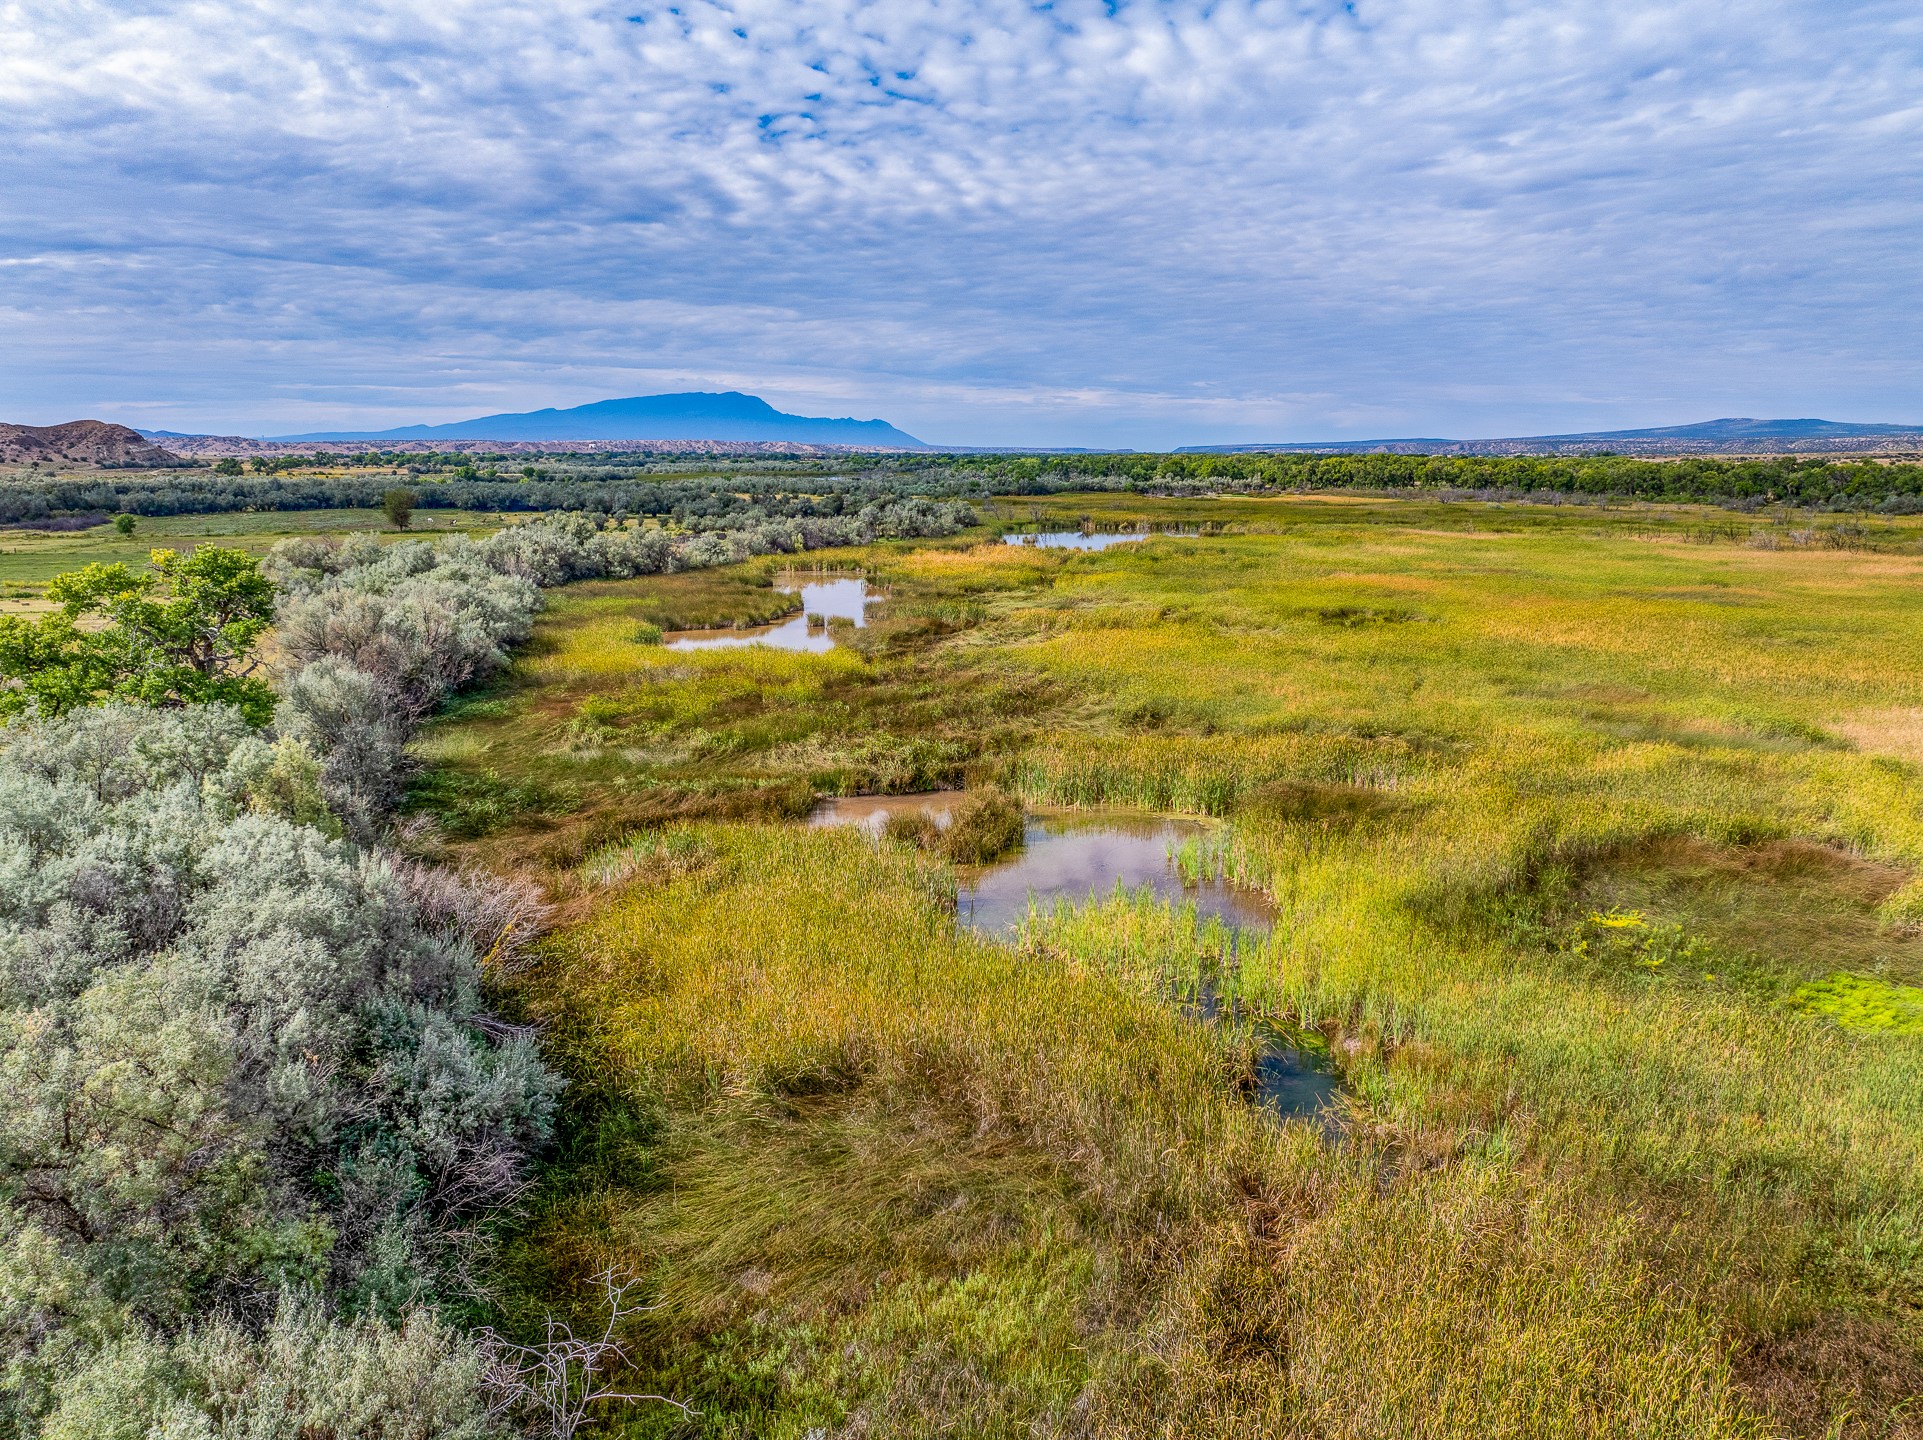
181	633
124	524
229	466
399	508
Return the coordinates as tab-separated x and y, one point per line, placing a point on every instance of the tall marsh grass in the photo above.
896	1179
804	1000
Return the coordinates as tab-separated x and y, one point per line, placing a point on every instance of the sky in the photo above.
988	222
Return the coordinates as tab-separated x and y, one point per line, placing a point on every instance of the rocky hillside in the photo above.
82	442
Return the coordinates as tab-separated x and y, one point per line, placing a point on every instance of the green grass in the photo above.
649	733
1865	1002
1596	868
694	600
30	557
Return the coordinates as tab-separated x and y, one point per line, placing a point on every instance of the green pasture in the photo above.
29	558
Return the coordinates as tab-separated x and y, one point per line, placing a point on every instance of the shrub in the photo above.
341	712
239	1055
304	1375
421	624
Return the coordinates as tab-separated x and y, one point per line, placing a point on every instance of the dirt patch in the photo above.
1841	1377
1895	730
1600	694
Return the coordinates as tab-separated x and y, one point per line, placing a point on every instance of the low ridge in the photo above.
1731	435
82	442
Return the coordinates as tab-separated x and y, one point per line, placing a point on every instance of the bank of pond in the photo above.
827	604
1070	860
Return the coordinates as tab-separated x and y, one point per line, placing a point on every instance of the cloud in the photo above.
988	221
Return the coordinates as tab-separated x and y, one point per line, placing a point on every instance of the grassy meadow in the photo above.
29	558
1592	838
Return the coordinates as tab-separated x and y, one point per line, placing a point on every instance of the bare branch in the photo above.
555	1382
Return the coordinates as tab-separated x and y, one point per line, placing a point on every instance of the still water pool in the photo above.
821	601
1067	857
1090	539
1073	539
1073	856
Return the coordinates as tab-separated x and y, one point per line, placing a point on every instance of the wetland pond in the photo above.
1084	539
812	628
1067	856
1073	856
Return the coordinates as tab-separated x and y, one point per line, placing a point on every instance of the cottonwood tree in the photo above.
182	632
398	506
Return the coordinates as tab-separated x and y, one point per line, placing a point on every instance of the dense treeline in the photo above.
710	502
1822	483
743	492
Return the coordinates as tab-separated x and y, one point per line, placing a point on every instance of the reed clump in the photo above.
983	828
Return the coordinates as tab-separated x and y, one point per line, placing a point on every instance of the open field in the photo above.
30	558
1592	839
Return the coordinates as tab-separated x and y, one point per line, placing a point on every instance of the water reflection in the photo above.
870	813
1066	857
1295	1076
822	601
1071	857
1073	539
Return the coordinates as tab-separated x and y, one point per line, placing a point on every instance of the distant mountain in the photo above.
698	415
1727	436
82	442
1742	429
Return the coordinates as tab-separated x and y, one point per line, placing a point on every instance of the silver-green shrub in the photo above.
341	712
303	1375
372	638
238	1055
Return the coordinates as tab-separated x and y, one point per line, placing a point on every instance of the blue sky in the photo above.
988	222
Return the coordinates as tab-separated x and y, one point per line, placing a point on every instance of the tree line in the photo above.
714	501
1821	482
747	491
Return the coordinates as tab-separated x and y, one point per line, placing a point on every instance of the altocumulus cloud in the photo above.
988	221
